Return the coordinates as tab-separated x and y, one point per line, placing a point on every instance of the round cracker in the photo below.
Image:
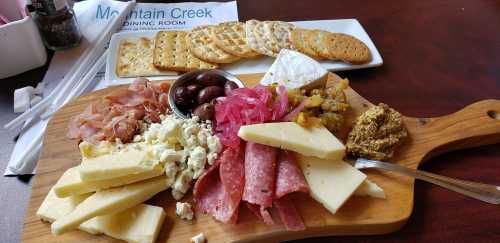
299	41
267	42
231	37
319	43
282	31
202	46
348	48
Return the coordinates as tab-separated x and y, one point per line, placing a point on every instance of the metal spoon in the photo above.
484	192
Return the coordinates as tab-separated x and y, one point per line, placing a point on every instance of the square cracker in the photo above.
171	52
135	58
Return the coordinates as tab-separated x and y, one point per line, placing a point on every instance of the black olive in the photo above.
192	90
204	111
209	93
210	79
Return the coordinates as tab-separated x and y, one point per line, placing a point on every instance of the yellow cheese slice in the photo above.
118	164
331	182
314	141
369	188
109	201
70	183
137	224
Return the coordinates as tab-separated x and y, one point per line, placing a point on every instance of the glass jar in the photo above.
57	24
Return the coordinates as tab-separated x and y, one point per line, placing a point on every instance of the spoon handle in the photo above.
484	192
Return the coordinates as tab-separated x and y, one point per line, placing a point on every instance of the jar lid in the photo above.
48	7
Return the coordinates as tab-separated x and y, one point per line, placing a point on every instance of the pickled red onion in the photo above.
245	106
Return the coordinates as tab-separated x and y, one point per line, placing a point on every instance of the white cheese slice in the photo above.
331	182
369	188
110	201
113	165
295	70
199	238
314	141
139	224
70	183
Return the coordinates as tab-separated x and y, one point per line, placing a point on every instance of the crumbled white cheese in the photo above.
171	170
189	142
214	148
182	184
170	155
197	160
184	210
199	238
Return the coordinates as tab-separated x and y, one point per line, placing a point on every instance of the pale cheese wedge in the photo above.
139	224
118	164
295	70
314	141
369	188
110	201
331	182
70	183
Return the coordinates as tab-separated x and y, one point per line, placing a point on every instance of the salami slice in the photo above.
260	174
290	178
261	213
218	191
208	190
289	215
232	175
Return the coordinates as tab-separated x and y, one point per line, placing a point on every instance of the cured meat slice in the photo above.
232	176
118	114
260	174
261	213
290	178
289	215
218	191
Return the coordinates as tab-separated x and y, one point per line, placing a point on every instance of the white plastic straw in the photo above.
82	85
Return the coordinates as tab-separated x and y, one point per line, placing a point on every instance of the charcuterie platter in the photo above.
474	125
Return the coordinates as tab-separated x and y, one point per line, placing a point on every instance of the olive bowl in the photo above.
189	77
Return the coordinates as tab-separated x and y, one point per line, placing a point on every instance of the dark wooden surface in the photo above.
439	55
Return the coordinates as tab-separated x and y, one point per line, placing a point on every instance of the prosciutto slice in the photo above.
118	114
290	179
219	190
260	176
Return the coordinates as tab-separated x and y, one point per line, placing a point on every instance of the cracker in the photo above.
267	42
318	41
202	46
299	41
172	53
273	36
282	32
135	58
231	37
348	48
252	41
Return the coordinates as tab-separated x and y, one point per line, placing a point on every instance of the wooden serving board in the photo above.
475	125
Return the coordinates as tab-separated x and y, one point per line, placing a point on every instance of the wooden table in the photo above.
438	57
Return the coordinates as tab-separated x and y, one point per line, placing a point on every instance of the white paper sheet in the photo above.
93	15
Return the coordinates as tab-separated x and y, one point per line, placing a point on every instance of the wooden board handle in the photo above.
475	125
